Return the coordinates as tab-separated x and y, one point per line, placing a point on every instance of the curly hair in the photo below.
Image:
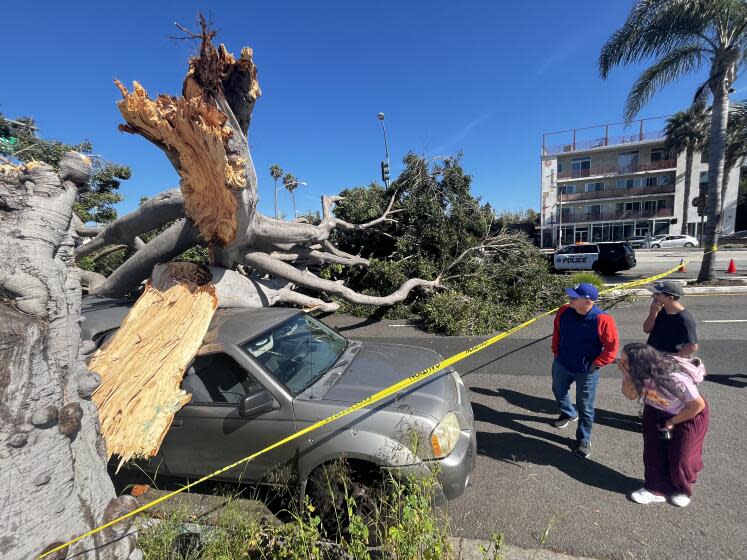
647	363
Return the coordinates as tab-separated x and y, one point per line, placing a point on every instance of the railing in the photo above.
575	141
618	193
610	171
578	217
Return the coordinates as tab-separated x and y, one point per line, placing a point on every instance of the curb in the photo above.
735	290
469	549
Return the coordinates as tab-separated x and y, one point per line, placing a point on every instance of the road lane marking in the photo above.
726	321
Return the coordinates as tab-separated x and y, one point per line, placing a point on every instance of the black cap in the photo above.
669	287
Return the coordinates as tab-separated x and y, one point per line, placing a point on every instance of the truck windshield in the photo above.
297	352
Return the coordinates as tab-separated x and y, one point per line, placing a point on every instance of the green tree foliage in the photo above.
437	219
95	203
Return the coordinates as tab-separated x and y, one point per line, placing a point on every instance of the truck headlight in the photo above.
445	435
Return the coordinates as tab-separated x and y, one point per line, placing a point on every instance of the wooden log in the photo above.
142	366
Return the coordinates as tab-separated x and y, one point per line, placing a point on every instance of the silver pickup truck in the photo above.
263	374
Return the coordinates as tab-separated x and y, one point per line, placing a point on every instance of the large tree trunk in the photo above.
716	156
688	184
53	474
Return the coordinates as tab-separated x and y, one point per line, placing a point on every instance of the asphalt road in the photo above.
653	261
527	481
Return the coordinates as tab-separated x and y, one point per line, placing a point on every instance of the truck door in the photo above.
210	432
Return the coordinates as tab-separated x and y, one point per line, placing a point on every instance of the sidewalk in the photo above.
469	549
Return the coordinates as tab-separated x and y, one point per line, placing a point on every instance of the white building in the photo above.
614	187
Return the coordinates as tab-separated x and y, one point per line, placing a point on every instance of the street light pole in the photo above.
560	217
380	116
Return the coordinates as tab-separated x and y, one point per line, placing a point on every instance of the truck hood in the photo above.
380	365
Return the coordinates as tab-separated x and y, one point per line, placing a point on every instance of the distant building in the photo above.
615	187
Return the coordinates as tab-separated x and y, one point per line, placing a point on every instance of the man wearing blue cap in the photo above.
584	339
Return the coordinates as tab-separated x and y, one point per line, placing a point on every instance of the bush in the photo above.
588	277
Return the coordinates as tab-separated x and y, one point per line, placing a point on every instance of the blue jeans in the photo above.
586	392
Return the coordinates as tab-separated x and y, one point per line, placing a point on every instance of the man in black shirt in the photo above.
669	326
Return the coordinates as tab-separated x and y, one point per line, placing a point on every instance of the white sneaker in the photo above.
679	500
643	496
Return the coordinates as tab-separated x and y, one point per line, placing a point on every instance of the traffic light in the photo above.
384	171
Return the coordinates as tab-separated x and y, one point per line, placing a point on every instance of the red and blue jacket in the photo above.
583	343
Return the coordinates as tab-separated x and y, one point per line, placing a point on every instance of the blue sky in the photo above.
483	77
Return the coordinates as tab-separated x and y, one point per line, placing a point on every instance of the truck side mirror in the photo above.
257	403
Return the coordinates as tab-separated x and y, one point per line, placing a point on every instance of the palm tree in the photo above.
736	143
686	131
276	172
291	183
683	36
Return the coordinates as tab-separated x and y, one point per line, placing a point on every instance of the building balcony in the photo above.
602	136
619	193
611	171
582	217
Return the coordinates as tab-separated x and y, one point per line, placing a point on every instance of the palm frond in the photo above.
656	28
665	71
686	129
736	135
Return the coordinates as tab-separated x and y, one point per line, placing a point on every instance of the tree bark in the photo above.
689	155
52	458
716	156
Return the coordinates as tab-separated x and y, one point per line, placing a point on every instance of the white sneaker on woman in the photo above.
679	500
644	497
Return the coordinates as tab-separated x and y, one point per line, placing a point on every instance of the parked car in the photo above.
263	374
736	238
643	241
638	241
675	241
605	257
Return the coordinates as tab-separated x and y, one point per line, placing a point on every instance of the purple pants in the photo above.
672	466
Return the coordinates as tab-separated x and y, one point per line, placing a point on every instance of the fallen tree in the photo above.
204	135
53	459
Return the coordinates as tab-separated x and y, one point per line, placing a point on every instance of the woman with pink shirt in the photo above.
675	422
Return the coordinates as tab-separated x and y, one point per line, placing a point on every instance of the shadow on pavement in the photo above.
514	448
539	405
728	379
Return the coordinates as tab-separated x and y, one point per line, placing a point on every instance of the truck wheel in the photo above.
333	485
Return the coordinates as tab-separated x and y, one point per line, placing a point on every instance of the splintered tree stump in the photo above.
53	475
142	366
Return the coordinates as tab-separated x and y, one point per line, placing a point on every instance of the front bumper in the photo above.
452	472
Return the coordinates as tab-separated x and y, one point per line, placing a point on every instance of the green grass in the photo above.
404	524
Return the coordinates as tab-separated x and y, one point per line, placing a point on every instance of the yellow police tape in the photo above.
384	393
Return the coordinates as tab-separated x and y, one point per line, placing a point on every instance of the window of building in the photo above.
658	155
567	189
627	161
594	187
629	183
581	167
664	180
567	214
660	204
593	212
651	181
560	167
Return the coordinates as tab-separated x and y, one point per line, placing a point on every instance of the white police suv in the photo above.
605	258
